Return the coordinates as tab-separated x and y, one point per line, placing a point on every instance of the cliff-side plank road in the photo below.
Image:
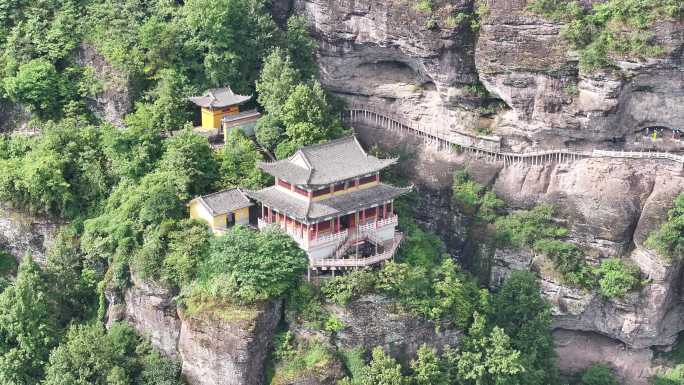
489	147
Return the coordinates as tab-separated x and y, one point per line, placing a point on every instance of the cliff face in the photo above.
222	346
114	98
384	53
22	234
522	59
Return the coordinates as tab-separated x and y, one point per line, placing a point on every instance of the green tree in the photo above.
248	266
269	131
522	313
238	163
28	327
277	81
226	40
169	106
427	368
616	278
301	46
188	156
488	358
382	370
135	150
37	85
91	355
308	119
72	280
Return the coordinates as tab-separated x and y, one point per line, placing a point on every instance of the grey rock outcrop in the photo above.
374	320
150	309
214	348
114	99
218	351
21	233
420	63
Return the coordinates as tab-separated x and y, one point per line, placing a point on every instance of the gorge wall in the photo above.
425	68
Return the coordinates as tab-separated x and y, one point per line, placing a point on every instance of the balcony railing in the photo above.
393	220
296	234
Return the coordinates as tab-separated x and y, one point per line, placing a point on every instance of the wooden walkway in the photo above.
486	147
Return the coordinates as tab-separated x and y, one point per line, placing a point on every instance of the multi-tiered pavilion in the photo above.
330	199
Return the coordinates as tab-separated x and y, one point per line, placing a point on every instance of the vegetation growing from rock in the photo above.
616	28
668	240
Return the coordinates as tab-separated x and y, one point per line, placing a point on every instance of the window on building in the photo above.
321	192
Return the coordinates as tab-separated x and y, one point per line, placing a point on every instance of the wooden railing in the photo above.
487	147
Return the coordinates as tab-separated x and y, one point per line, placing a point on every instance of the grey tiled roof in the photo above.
329	162
219	98
311	212
222	202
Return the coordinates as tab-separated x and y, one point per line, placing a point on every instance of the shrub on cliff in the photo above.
669	239
91	355
616	278
249	266
474	199
525	316
523	228
614	28
598	374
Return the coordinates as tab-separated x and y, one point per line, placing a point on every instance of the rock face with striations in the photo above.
214	348
389	53
221	351
522	59
417	65
610	206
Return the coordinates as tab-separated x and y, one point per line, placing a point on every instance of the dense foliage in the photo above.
611	29
89	355
669	239
249	266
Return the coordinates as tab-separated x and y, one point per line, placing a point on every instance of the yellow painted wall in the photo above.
212	118
242	216
197	211
220	221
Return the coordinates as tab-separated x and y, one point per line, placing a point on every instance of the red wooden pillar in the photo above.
339	224
377	214
363	216
391	208
384	210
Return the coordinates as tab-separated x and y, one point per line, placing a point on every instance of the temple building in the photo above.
329	198
222	210
221	110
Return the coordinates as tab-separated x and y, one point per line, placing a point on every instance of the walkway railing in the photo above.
486	147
